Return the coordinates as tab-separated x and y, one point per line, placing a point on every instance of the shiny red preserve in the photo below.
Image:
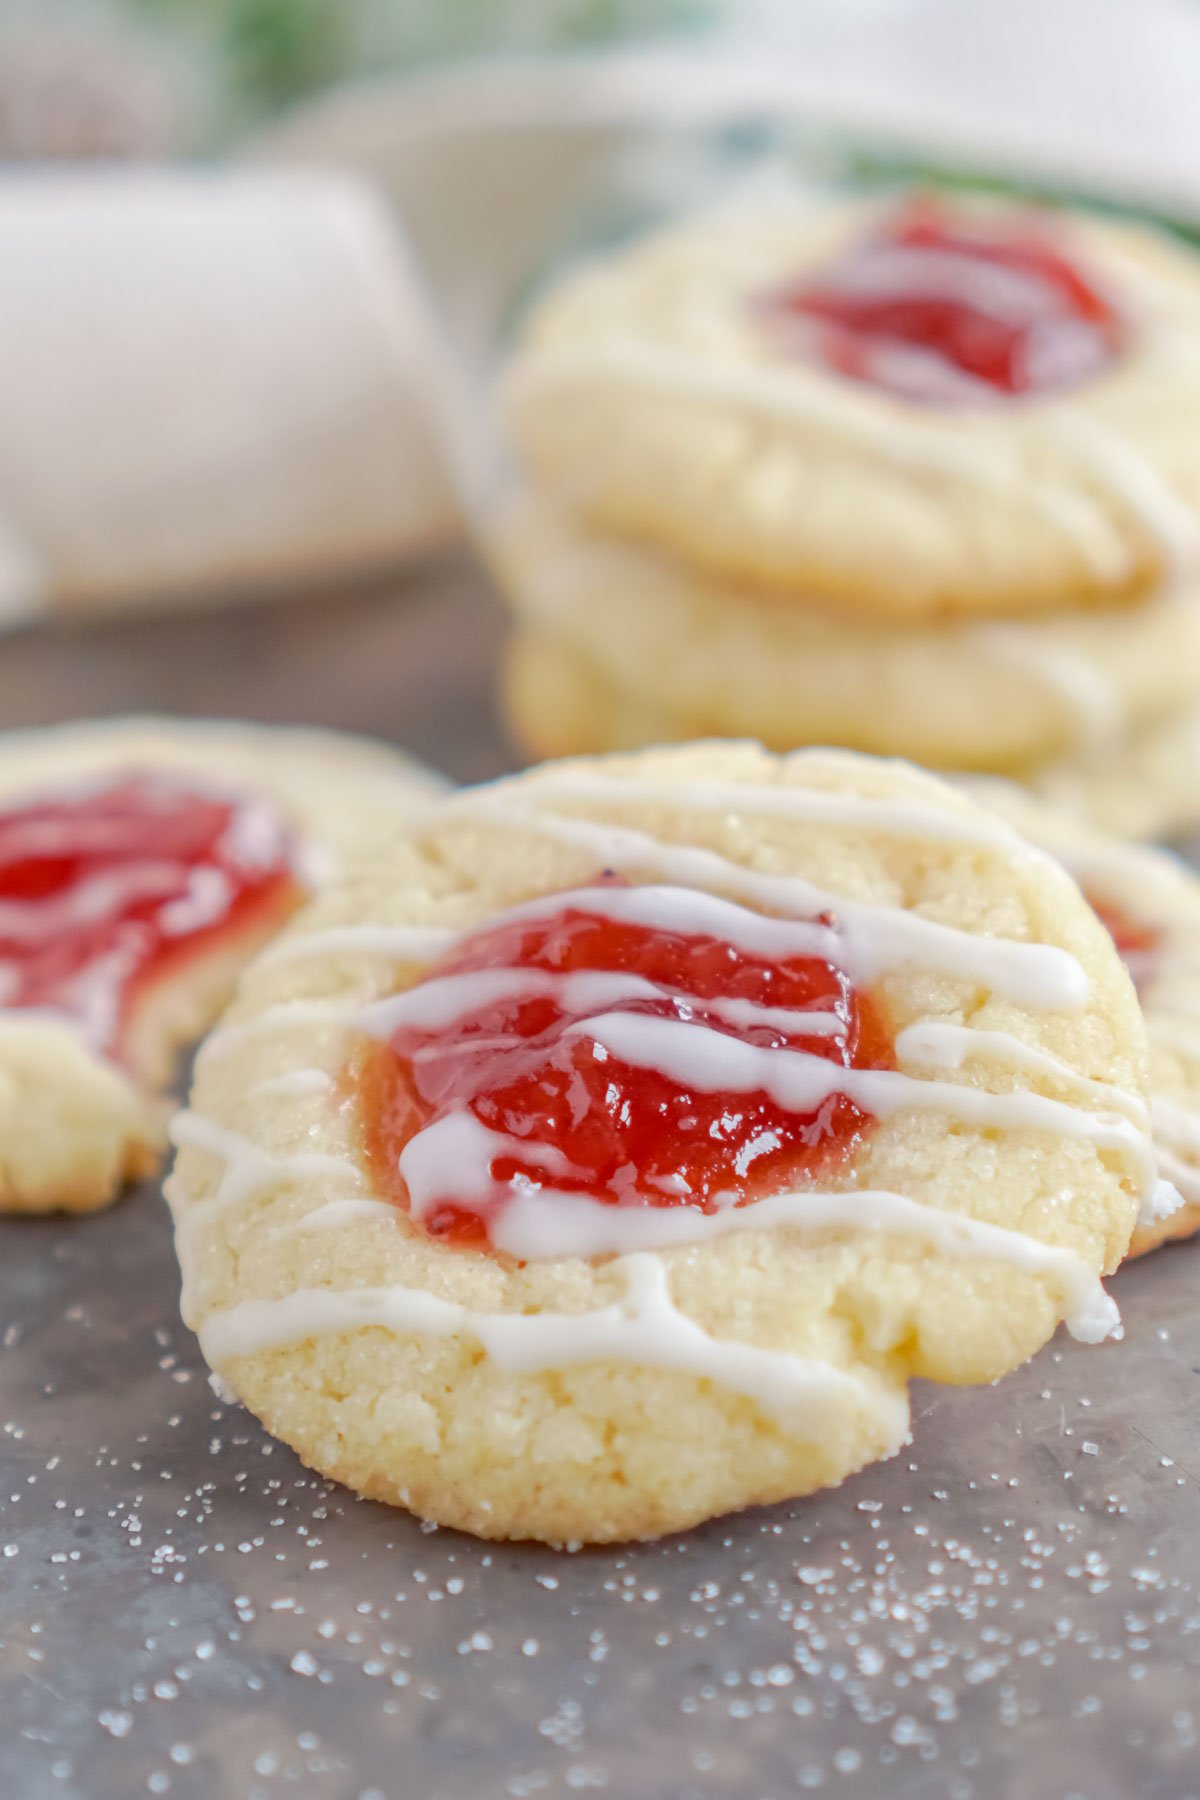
942	307
107	888
635	1137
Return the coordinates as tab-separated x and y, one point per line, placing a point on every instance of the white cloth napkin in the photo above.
211	383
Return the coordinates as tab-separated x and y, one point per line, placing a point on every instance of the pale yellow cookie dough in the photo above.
648	396
75	1127
276	1225
1145	787
1148	890
673	655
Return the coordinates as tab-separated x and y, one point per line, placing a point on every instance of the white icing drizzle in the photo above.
644	1329
897	271
285	1016
89	1002
947	1046
1115	866
338	1212
435	1005
540	1224
296	1084
452	1158
870	940
549	1224
249	1169
891	817
886	430
708	1061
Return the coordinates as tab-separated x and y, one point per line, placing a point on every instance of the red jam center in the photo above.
528	1068
1137	944
106	889
938	307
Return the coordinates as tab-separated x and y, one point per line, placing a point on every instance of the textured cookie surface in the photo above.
679	656
1150	902
79	1112
619	1384
654	395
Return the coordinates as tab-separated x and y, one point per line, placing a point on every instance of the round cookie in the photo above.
673	655
1150	902
613	1153
681	391
142	862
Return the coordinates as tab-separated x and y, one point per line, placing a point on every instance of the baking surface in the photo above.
1010	1610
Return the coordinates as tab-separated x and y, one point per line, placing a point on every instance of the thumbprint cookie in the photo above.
914	408
616	1148
142	862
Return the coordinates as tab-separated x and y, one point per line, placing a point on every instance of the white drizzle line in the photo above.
248	1168
871	940
435	1005
862	812
282	1017
539	1224
896	435
454	1154
338	1212
644	1329
296	1084
647	1326
799	1081
943	1045
549	1225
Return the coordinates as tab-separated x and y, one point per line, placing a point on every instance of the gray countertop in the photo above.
1010	1608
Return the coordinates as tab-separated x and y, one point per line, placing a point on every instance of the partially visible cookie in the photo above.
1150	903
613	1151
1145	786
672	654
917	409
142	861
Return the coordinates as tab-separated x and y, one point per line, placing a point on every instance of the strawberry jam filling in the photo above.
105	890
1137	944
942	308
505	1047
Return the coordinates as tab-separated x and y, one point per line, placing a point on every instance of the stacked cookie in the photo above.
913	478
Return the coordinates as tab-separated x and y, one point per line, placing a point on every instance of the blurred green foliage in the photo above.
270	52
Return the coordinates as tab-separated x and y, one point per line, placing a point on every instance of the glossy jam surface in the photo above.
528	1068
1138	944
106	888
943	308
